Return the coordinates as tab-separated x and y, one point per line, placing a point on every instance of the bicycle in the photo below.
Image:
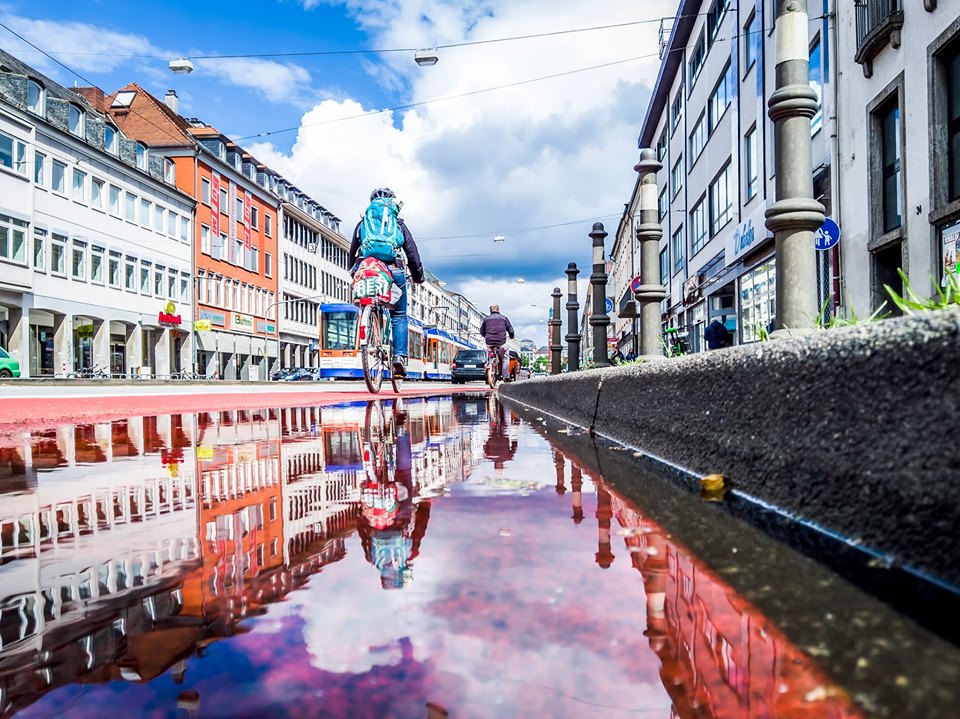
94	372
493	367
372	293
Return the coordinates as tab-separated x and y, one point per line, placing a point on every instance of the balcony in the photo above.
878	24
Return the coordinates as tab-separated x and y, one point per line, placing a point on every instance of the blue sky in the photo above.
538	162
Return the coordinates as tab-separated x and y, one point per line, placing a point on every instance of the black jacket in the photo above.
409	249
495	329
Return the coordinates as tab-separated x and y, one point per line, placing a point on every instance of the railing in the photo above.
878	21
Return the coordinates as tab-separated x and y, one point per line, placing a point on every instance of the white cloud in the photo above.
274	81
534	155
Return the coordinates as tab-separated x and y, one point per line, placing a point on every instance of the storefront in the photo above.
750	257
235	345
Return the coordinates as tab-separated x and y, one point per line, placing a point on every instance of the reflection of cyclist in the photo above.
389	234
495	330
392	527
498	447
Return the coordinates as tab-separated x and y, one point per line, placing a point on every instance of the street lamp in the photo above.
426	58
266	339
499	238
180	66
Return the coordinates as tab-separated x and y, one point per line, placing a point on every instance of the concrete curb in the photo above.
855	429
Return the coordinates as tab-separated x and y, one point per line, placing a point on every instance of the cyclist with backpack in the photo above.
382	234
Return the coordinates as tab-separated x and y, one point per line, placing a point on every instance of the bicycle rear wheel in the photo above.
493	368
373	365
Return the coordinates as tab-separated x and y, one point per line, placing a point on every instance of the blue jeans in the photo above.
398	316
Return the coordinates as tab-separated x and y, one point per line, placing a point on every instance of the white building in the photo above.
95	240
899	145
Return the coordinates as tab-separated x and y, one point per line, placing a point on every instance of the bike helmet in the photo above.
382	192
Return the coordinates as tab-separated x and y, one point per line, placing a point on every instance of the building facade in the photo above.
95	238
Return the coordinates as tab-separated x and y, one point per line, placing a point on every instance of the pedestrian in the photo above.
716	335
618	357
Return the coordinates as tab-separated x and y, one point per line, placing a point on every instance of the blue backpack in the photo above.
380	233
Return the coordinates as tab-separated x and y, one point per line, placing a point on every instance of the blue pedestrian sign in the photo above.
609	305
827	236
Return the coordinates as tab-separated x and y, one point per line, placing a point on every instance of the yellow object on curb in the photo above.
712	482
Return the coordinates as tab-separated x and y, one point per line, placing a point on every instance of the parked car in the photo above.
302	374
469	366
9	367
282	373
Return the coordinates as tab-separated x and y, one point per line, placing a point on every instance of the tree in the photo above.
540	364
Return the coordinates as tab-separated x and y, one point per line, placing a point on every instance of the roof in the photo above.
53	88
149	120
686	18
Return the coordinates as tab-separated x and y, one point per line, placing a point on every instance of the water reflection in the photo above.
200	564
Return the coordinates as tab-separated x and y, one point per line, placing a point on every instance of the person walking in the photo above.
716	335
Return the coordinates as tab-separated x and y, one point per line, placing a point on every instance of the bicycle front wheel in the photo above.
371	352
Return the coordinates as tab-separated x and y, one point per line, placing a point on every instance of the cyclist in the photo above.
495	330
360	250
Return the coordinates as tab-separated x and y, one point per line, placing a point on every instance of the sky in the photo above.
537	162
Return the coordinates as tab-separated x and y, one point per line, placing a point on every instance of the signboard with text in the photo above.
247	212
215	206
749	235
242	323
950	239
232	224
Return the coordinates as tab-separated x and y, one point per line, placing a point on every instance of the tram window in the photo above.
339	330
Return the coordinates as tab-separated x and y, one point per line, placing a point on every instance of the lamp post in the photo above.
266	338
556	349
573	312
795	215
598	281
650	293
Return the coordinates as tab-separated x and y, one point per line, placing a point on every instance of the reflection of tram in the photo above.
430	352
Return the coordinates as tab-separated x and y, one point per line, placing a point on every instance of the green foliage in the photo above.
541	364
760	332
910	302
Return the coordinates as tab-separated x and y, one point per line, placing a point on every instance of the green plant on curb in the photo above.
910	302
828	321
760	332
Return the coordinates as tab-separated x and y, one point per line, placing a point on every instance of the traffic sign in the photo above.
635	285
827	236
609	305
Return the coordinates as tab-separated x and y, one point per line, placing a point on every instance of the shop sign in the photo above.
215	205
242	323
83	330
168	316
232	226
247	213
748	235
204	452
202	325
217	318
268	327
950	238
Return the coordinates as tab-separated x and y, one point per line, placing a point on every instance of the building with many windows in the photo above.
95	238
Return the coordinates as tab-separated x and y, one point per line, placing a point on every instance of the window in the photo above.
113	269
144	277
110	139
239	209
39	163
13	154
96	193
205	191
720	201
951	62
76	121
184	287
223	201
715	17
698	226
205	239
816	82
268	225
698	139
268	264
662	145
96	264
130	206
751	42
664	265
676	178
663	205
39	249
78	262
145	212
158	218
114	194
255	217
58	255
253	260
171	223
130	274
158	281
79	185
720	98
679	251
696	61
13	239
750	169
141	156
676	110
58	177
889	121
184	229
36	98
219	247
169	171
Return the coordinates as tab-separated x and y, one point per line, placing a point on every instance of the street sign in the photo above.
609	305
827	236
635	285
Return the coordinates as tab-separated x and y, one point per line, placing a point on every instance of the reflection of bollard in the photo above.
650	293
576	484
604	515
556	349
598	281
795	215
558	462
573	312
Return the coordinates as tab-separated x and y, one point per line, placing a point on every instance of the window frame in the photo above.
751	155
40	107
81	123
717	219
18	155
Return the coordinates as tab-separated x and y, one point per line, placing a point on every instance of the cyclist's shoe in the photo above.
399	366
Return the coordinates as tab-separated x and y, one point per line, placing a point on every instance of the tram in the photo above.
431	350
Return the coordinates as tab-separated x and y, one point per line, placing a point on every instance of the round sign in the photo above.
609	305
171	308
827	236
637	282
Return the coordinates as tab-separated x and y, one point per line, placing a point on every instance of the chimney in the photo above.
171	101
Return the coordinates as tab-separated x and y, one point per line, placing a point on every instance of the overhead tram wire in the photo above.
515	231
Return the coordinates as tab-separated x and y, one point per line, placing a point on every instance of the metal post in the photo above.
795	215
556	349
650	293
573	317
598	281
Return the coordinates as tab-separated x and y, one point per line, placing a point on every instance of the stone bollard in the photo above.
650	293
598	281
795	215
573	319
556	349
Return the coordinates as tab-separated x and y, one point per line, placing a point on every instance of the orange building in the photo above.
236	231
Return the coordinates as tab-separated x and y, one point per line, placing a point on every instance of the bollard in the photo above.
598	281
556	349
573	319
650	293
795	215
